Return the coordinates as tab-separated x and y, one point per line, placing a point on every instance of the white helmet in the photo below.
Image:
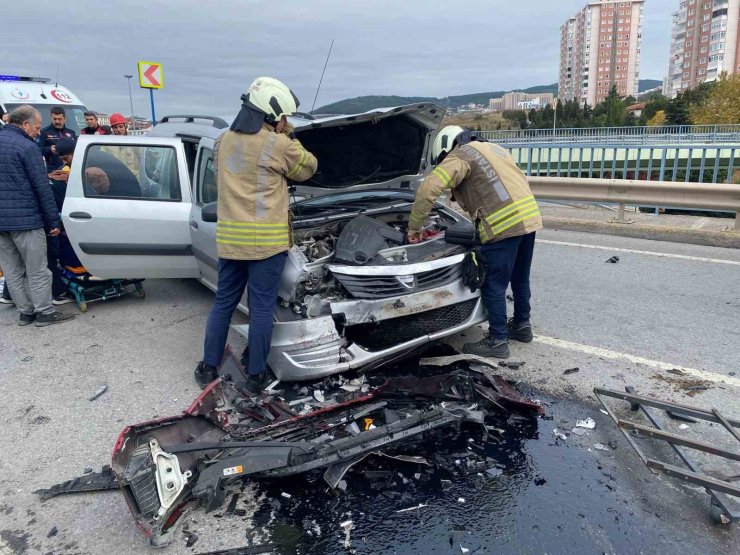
272	97
444	140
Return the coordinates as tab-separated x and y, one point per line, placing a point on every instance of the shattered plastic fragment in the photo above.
683	427
286	495
319	396
601	447
461	500
588	424
559	435
579	431
464	550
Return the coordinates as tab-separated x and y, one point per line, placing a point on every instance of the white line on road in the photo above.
614	355
651	253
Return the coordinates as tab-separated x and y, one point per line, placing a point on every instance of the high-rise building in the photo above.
600	48
704	42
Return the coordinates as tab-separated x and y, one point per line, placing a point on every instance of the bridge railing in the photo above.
691	163
671	134
703	196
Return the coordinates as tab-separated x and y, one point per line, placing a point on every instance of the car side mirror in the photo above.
208	212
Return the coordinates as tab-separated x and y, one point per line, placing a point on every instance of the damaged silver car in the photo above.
353	295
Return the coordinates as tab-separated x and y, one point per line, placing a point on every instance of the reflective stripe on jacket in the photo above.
486	182
252	172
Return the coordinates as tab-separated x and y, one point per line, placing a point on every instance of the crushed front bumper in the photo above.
361	333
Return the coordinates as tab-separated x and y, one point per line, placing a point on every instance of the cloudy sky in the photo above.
211	50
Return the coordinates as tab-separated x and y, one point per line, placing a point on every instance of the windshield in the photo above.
75	114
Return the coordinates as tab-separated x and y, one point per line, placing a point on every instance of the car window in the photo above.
207	189
131	171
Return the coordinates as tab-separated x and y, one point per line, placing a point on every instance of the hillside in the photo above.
365	103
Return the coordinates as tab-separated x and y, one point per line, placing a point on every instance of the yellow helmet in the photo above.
272	97
444	141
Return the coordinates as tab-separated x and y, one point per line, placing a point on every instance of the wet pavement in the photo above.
539	495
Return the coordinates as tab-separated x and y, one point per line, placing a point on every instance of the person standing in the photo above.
50	135
93	127
26	207
254	160
486	182
126	154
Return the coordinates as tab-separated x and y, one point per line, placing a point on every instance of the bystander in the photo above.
26	208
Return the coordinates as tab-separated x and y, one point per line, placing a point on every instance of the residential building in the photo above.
600	48
496	104
704	42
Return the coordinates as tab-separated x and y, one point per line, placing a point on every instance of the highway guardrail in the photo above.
722	197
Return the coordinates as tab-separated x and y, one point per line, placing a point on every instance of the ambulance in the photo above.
39	92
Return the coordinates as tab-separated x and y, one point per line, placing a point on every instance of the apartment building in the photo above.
600	48
704	42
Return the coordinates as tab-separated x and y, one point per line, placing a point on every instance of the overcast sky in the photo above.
211	50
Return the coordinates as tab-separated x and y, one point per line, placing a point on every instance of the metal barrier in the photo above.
671	134
704	196
688	163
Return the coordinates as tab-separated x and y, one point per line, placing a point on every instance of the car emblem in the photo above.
409	282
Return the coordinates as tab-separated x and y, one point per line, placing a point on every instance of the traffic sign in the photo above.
150	75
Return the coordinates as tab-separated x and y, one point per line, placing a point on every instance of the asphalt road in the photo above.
667	306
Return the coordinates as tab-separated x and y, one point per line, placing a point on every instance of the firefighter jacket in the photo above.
486	182
252	172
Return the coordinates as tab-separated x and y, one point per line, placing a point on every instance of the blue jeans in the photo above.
508	261
262	278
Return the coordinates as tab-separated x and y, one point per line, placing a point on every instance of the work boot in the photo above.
521	331
50	318
204	374
488	347
254	385
26	319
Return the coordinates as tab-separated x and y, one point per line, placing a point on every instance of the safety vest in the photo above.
251	174
496	193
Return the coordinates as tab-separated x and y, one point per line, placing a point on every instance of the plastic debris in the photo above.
601	447
559	435
494	472
588	423
319	396
571	370
461	500
579	431
286	495
683	427
102	389
613	260
464	550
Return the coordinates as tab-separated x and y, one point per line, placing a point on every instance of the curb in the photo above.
726	239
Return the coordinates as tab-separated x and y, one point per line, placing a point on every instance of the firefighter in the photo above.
486	182
254	161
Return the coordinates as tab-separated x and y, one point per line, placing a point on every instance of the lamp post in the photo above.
131	100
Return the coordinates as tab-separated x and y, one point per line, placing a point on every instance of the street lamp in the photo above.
131	100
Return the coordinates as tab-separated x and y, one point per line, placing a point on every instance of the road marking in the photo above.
651	253
614	355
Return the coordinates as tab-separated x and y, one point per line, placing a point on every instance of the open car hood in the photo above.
382	148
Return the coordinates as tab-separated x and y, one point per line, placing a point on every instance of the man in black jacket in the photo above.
49	136
26	207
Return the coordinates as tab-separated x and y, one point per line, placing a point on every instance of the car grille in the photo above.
378	287
388	333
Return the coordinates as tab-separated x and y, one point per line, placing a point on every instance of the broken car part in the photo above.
722	508
91	481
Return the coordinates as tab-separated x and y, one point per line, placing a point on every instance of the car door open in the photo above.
127	207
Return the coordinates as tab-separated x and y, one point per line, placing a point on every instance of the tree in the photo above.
722	104
612	110
655	103
677	111
657	120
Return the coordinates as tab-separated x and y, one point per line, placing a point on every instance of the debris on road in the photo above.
97	481
102	389
571	370
613	260
419	506
588	423
558	434
722	510
224	436
601	447
53	532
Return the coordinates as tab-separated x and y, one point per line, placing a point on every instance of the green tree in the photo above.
612	110
721	105
656	103
677	111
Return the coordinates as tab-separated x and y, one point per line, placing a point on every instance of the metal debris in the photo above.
102	389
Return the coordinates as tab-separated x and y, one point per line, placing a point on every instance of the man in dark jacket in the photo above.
93	127
26	207
50	135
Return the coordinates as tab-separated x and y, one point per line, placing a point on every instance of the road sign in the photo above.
150	75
